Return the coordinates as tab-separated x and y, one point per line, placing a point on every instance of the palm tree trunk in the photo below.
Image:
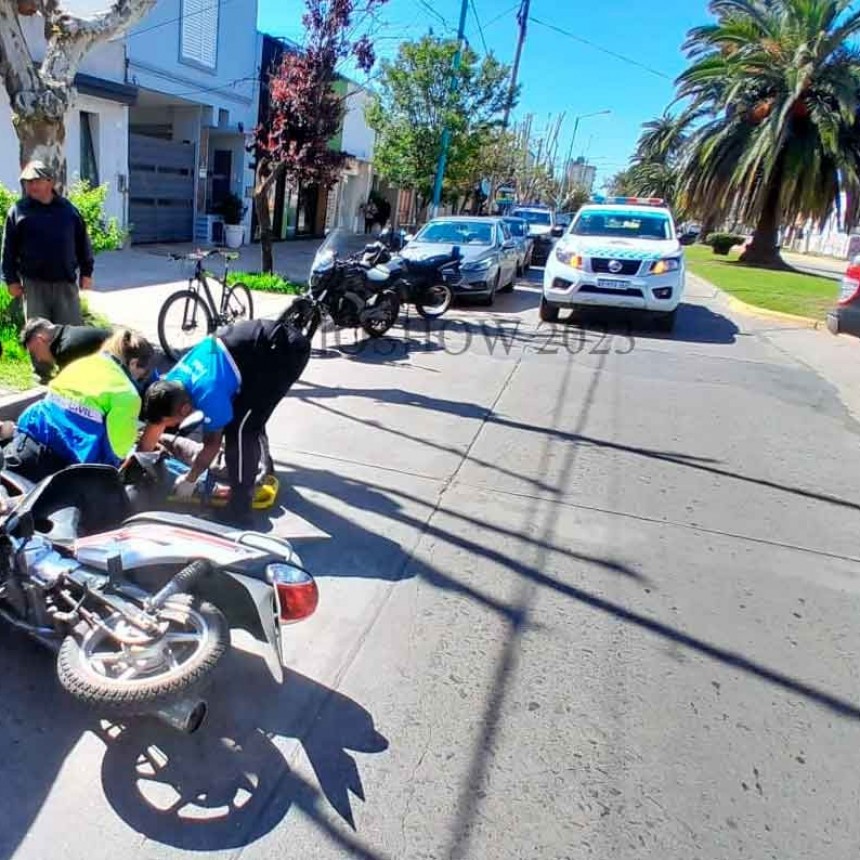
763	250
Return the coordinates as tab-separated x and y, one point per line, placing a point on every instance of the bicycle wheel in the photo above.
184	320
238	304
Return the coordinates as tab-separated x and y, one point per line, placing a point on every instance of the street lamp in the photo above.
573	138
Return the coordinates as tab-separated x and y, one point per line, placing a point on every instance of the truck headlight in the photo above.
669	264
569	258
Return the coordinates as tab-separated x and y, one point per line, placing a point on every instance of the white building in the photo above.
196	66
581	174
356	139
163	117
96	125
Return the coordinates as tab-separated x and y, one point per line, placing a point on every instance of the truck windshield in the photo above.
624	225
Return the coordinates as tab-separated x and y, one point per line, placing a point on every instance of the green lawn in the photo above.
16	371
787	292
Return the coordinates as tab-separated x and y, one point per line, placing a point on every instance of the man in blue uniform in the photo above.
236	378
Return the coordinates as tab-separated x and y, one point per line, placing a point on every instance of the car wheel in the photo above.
833	323
488	300
666	322
509	288
548	311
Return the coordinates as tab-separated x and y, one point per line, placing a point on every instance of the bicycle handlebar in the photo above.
197	256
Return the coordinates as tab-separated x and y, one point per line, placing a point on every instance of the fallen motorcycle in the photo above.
139	607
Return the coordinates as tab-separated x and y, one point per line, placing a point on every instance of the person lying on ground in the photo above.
236	378
90	413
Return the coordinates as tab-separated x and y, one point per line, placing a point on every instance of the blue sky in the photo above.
558	73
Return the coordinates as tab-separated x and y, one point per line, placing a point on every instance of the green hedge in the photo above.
265	283
722	243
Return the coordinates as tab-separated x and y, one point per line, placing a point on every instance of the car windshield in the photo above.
622	225
457	233
533	216
517	228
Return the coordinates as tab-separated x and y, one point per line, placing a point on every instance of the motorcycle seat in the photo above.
432	262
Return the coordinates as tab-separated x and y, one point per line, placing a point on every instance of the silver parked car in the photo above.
519	230
489	252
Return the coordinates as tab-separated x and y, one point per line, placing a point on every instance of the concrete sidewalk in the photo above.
147	265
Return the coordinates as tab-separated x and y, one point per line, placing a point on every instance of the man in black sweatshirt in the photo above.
46	250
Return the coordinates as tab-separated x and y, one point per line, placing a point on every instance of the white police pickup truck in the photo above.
619	252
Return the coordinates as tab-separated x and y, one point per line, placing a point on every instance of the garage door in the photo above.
161	190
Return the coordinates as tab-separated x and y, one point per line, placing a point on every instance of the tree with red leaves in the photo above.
305	113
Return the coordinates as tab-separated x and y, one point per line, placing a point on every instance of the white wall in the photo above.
154	60
111	147
358	138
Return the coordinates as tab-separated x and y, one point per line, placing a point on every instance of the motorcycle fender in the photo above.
263	598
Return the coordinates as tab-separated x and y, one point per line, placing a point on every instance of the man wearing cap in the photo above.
55	346
46	250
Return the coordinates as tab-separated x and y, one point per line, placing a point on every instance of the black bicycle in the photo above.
190	315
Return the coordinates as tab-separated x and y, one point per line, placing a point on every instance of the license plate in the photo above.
611	284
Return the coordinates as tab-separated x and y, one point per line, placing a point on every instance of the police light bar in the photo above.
629	201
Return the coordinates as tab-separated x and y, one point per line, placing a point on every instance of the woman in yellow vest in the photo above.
89	414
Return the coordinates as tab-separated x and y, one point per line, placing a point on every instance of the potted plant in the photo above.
232	209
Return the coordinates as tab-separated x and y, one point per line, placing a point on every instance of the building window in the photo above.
89	159
200	32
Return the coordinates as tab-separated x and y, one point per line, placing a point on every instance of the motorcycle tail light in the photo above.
298	594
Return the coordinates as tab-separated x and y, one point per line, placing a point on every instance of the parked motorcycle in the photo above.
426	283
345	291
139	607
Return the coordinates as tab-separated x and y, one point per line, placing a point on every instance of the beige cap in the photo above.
36	170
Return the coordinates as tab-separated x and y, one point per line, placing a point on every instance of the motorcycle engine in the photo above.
349	308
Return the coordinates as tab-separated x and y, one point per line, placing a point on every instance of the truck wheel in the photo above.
548	311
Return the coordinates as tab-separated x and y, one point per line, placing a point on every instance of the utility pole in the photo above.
446	132
523	20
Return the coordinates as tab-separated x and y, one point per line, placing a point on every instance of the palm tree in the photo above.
655	167
781	82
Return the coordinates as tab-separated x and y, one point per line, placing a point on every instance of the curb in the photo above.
12	405
754	310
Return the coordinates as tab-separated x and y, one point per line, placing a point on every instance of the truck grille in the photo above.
600	265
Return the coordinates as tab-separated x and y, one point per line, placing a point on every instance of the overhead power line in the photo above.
622	57
480	28
433	12
501	15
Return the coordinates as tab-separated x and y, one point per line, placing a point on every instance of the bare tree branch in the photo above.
70	37
16	63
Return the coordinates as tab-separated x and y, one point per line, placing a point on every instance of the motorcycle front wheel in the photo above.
383	315
133	675
434	301
304	315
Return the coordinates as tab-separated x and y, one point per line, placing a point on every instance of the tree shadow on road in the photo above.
222	788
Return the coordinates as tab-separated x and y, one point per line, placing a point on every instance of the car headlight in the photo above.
568	257
481	266
669	264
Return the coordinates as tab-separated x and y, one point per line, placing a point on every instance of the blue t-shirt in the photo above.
211	378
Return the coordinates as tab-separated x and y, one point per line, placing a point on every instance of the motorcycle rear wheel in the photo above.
434	301
132	679
388	305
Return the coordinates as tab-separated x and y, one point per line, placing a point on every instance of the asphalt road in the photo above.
583	595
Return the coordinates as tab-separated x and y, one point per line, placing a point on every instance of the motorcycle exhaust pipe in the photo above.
184	715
